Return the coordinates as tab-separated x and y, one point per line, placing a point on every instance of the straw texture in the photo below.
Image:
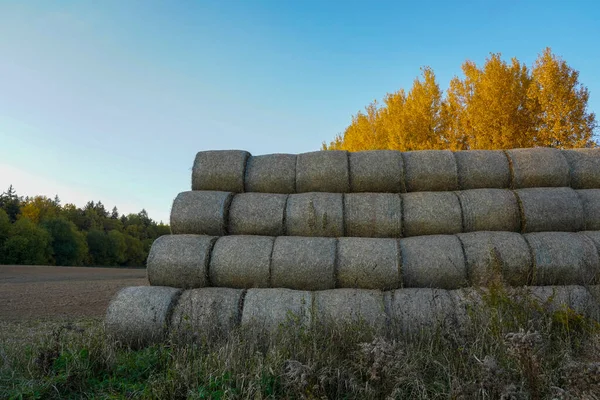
368	263
478	169
257	214
376	171
431	213
221	170
315	214
538	167
430	170
323	171
550	209
201	212
271	173
180	261
433	261
138	316
303	263
241	261
373	214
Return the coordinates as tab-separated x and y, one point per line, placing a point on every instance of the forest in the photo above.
499	105
40	231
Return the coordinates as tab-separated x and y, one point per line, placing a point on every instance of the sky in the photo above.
111	100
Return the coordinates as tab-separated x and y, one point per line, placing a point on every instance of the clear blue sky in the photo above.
110	100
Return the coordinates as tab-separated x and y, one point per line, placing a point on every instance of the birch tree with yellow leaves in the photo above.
501	105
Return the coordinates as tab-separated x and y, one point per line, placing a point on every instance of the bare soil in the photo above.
44	292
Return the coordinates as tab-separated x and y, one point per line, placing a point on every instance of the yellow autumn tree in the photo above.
562	119
39	208
498	106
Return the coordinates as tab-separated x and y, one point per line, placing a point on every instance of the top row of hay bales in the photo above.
394	171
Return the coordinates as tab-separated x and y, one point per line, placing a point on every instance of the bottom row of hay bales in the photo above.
144	315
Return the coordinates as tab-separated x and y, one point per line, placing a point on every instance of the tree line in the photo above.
40	231
500	105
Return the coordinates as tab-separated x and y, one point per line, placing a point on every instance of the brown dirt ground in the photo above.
43	292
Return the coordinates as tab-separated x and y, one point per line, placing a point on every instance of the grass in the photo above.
507	349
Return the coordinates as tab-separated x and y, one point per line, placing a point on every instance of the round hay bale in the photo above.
431	213
594	236
271	173
272	309
479	169
590	200
563	258
206	314
538	167
368	263
414	310
315	214
376	171
221	170
180	261
558	298
303	263
550	209
323	171
489	210
433	262
201	213
493	255
373	214
241	261
138	316
584	165
257	214
350	306
430	170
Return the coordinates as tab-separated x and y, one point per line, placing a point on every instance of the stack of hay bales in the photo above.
395	240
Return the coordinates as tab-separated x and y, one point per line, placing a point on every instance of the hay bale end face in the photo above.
368	263
584	165
206	313
431	213
479	169
139	316
492	256
271	309
551	209
538	167
180	261
563	258
315	214
376	171
271	173
323	171
241	261
303	263
430	171
489	210
433	262
201	213
373	215
257	214
590	200
221	170
342	306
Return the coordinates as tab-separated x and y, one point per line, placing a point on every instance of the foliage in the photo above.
39	230
507	349
28	244
68	245
498	106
